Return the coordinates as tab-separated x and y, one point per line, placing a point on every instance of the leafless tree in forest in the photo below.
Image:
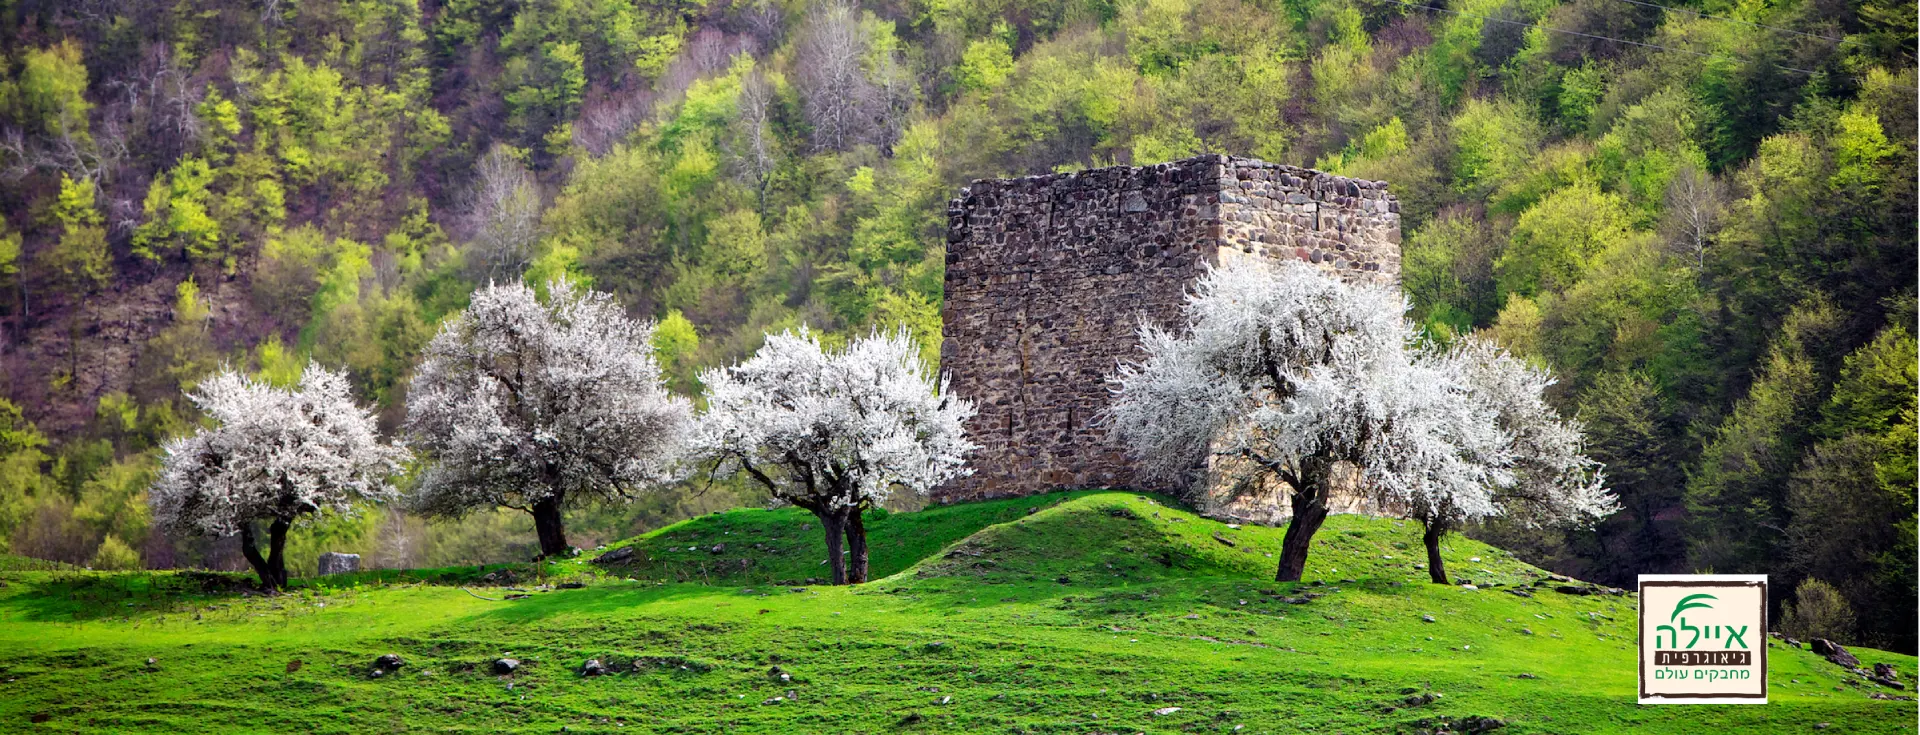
752	148
1694	201
502	215
763	20
849	95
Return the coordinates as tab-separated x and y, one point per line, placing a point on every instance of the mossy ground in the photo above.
1072	613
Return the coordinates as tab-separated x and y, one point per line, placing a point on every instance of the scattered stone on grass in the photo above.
386	664
593	667
504	666
1164	711
1835	652
621	555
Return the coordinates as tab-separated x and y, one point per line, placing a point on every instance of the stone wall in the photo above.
1049	277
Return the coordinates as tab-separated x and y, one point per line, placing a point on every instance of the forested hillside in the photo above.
1701	217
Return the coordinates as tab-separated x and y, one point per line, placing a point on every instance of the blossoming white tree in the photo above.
536	406
1286	374
835	432
1518	457
272	455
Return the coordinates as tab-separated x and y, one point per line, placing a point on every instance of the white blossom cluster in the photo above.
1542	475
516	401
835	430
1290	370
272	453
1277	365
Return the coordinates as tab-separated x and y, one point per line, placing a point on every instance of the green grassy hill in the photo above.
1071	613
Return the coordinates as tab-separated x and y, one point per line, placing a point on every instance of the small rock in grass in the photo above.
1834	652
593	667
387	663
1881	670
504	666
572	585
1427	618
1526	676
1164	711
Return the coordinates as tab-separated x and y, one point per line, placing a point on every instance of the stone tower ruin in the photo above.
1048	279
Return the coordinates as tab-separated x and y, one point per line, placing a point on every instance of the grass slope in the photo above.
1085	615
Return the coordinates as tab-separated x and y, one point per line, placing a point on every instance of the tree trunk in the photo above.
856	548
1436	567
546	522
835	523
1309	511
272	568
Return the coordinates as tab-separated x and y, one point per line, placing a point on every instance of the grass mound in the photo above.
785	546
1110	538
1071	613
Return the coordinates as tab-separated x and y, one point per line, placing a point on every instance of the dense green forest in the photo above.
1701	217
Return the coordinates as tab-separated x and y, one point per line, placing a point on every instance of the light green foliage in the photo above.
1876	388
1648	143
915	313
1555	168
1518	327
676	343
9	253
80	258
1155	30
1580	91
113	499
1859	145
1737	495
1447	270
278	365
288	272
183	352
1860	476
1494	142
222	118
178	217
50	92
1557	240
1818	611
986	63
114	555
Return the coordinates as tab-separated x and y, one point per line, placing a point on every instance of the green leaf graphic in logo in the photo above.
1689	602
